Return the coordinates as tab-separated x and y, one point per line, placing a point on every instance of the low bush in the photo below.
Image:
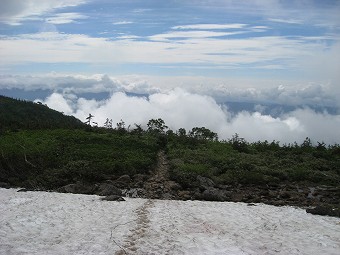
50	158
262	163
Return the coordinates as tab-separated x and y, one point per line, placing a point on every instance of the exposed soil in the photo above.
159	185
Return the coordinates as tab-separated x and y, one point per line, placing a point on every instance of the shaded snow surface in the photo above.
52	223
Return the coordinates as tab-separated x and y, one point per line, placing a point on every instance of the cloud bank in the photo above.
182	109
222	90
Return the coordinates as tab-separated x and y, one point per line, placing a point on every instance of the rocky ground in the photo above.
323	200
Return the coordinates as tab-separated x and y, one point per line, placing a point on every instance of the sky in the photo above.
81	56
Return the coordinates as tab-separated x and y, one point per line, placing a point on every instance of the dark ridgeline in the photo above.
20	114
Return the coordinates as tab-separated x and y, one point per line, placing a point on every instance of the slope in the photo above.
19	114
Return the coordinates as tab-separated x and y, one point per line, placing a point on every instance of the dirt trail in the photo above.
138	233
159	186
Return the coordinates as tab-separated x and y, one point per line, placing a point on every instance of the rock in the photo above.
257	200
285	194
264	193
107	189
124	179
184	195
69	188
123	182
221	186
134	193
325	210
139	178
77	188
236	197
167	196
5	185
23	190
212	194
113	198
205	182
171	185
278	203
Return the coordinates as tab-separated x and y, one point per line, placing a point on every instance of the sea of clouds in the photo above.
135	101
182	109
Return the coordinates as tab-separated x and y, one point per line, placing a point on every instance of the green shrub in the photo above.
54	157
299	174
186	179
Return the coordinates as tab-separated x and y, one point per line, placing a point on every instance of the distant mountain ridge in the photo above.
234	107
21	114
274	110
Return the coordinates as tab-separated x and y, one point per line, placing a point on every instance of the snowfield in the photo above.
52	223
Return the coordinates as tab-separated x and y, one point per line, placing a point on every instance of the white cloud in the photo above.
255	126
293	12
124	22
58	102
127	37
199	47
211	26
64	18
62	82
288	21
221	89
324	64
45	48
190	34
181	109
312	13
13	12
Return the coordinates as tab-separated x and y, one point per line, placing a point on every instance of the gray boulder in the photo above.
171	185
205	182
139	177
107	189
325	210
124	179
212	194
138	180
134	193
77	188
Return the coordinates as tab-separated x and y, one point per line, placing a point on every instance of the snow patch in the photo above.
53	223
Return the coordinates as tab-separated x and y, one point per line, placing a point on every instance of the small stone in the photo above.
23	190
